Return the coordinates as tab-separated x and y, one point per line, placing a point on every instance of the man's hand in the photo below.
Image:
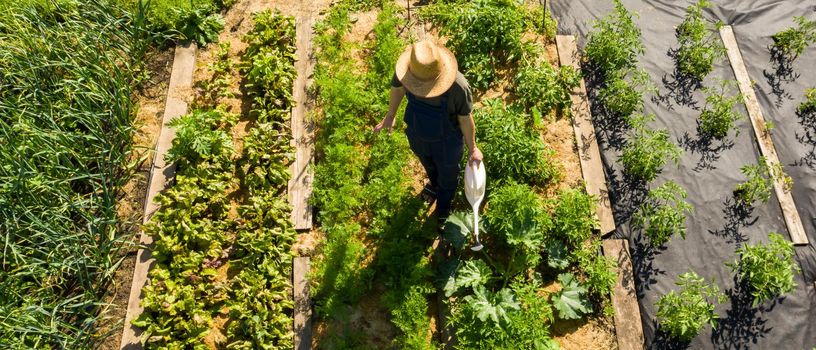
475	156
386	123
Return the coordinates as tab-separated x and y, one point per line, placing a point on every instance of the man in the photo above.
438	117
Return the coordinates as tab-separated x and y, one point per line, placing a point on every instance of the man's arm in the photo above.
397	93
469	132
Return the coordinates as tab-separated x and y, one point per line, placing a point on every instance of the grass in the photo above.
65	130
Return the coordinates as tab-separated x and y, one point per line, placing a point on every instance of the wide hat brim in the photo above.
433	87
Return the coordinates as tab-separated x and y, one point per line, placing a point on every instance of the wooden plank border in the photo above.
766	145
161	172
628	326
588	151
300	184
303	304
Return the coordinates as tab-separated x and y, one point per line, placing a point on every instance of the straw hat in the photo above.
427	69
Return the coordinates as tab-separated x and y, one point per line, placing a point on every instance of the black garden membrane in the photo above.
710	169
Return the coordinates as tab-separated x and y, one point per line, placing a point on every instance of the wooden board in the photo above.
181	81
763	136
588	151
628	326
303	306
300	185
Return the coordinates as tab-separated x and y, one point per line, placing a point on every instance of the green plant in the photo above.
682	315
573	217
515	150
599	271
200	137
200	24
648	150
484	34
614	43
698	46
217	87
623	93
66	125
664	213
809	105
760	181
542	21
571	300
718	116
792	41
766	269
544	88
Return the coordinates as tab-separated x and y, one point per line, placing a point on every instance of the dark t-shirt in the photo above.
460	98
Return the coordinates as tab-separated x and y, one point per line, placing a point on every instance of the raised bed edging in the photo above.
161	172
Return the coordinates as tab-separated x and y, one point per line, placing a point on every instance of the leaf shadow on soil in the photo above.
743	324
709	148
681	87
781	73
807	137
610	129
737	216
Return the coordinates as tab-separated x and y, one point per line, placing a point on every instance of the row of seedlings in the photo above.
767	270
222	235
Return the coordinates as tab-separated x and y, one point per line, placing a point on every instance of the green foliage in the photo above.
766	269
470	274
699	47
542	21
540	86
268	64
66	115
181	19
760	181
573	217
792	41
217	87
514	148
483	34
809	105
663	213
599	271
200	137
267	155
200	25
412	319
614	44
682	315
516	216
648	150
571	300
718	116
623	93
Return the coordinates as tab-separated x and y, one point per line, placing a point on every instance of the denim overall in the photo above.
438	144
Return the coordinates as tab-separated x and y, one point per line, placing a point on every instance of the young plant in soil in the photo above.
663	214
614	43
791	42
682	315
648	150
699	47
718	116
759	185
623	93
766	269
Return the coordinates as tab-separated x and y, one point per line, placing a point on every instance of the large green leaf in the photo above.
494	307
458	228
472	273
571	301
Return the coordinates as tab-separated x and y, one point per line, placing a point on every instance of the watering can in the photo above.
475	180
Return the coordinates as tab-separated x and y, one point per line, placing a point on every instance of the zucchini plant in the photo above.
718	116
648	150
766	269
699	47
682	315
663	214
